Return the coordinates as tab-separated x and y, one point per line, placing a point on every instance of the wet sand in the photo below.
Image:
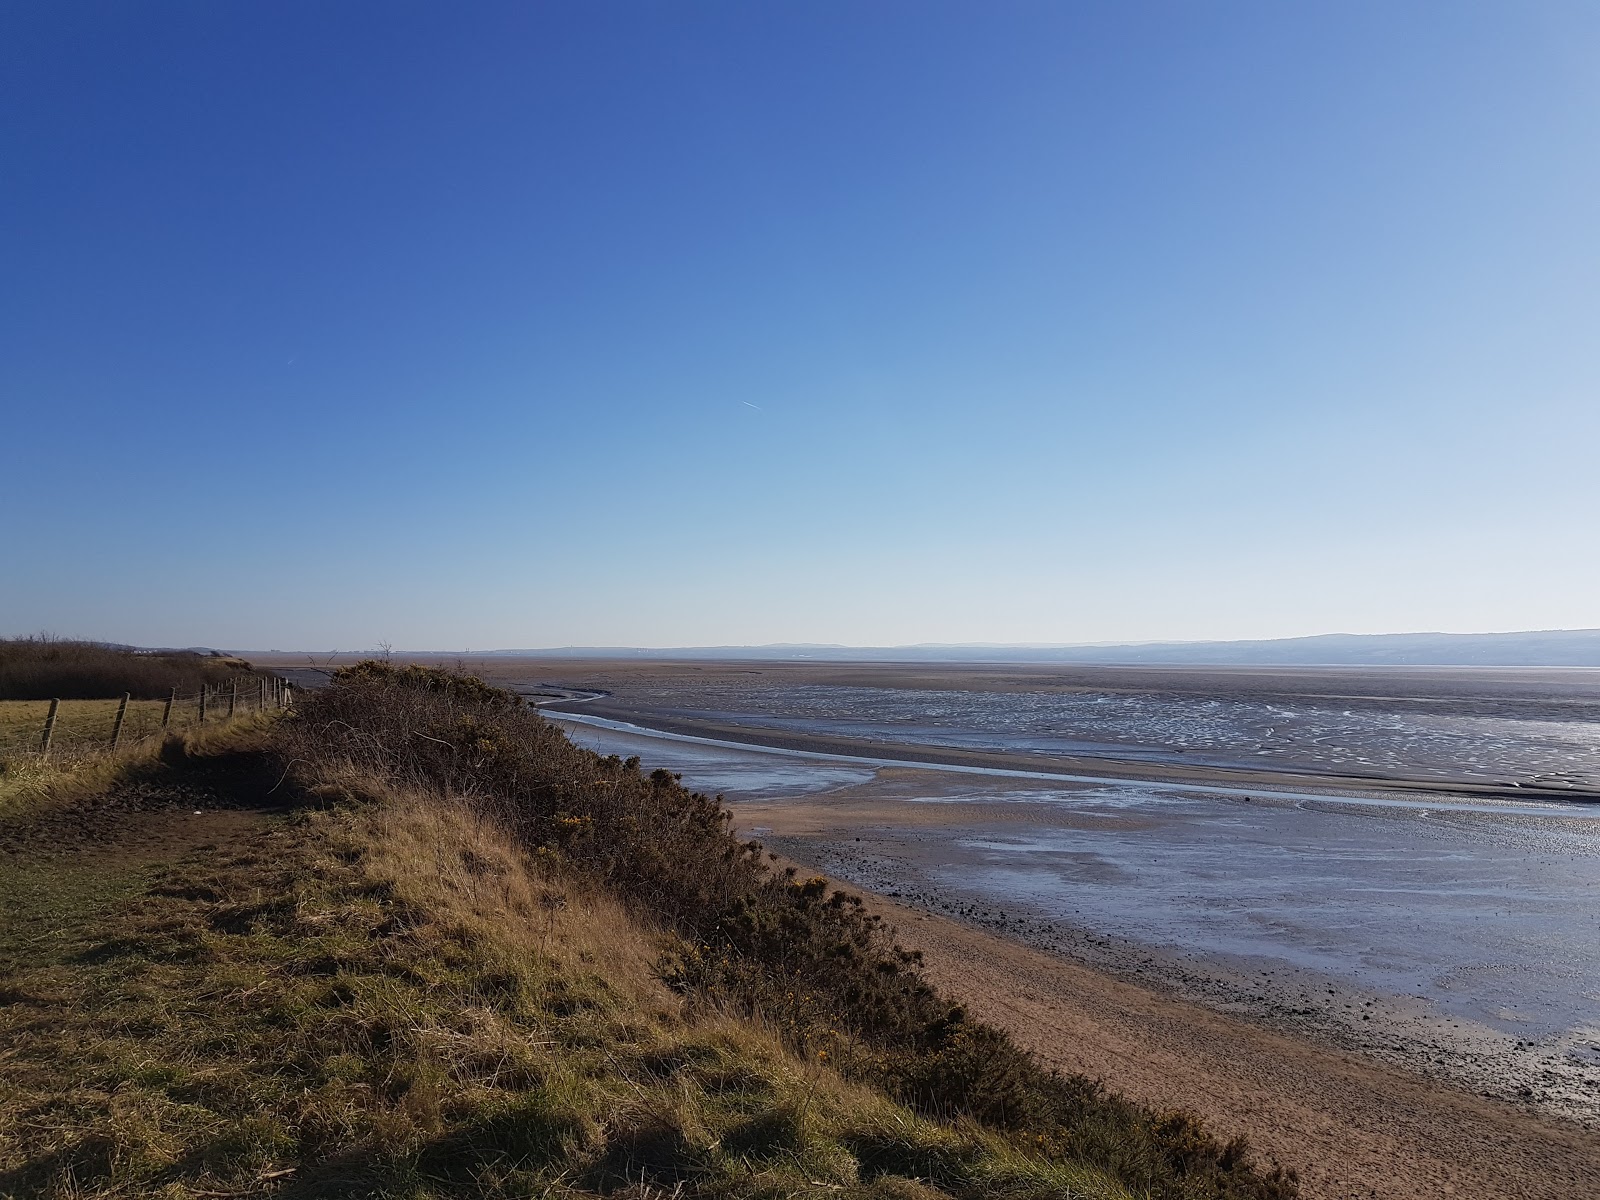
1351	1127
1096	766
757	703
1551	692
1124	890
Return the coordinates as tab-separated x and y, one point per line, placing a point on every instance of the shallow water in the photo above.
1490	911
719	770
1554	743
1487	915
586	730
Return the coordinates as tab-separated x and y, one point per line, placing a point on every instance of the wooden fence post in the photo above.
233	697
166	713
49	727
122	711
261	706
202	704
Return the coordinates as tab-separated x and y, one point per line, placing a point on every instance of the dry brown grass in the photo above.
78	773
38	668
442	975
814	965
386	996
447	857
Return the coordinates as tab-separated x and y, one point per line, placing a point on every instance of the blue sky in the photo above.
665	324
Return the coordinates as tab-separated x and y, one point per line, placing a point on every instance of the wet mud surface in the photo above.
1480	982
1452	931
1505	727
1459	942
1382	745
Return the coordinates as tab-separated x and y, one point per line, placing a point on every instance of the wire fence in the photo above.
59	728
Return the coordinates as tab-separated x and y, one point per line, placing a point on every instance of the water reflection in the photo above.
1489	909
1552	745
725	770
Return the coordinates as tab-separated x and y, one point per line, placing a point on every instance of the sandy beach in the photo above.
1351	1126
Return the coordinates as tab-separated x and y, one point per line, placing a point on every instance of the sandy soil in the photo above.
1349	1126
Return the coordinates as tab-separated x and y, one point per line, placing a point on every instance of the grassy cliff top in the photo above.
281	959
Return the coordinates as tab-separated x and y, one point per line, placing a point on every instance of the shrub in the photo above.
814	963
44	668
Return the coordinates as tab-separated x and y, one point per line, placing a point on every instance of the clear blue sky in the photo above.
686	323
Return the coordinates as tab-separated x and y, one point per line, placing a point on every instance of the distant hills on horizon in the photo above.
1535	648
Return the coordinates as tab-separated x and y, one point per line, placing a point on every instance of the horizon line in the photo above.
974	645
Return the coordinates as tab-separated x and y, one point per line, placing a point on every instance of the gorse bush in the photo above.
651	840
809	960
44	668
391	999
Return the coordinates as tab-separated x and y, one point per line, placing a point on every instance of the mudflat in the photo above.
1351	1127
1365	1094
851	708
1507	689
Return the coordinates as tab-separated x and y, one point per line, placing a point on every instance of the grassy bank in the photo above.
102	702
79	723
473	959
81	762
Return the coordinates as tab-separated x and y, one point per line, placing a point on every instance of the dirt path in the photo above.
64	863
149	815
1350	1127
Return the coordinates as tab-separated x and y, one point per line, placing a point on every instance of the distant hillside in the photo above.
1540	648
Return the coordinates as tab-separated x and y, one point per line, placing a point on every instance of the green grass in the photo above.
388	1000
44	906
78	721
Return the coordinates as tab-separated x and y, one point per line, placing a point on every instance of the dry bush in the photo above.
44	668
384	995
814	965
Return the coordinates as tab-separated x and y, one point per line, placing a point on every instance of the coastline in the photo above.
1189	776
1350	1125
1385	1104
922	854
913	854
1364	1093
877	754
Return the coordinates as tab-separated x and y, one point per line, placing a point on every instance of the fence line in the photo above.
80	725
